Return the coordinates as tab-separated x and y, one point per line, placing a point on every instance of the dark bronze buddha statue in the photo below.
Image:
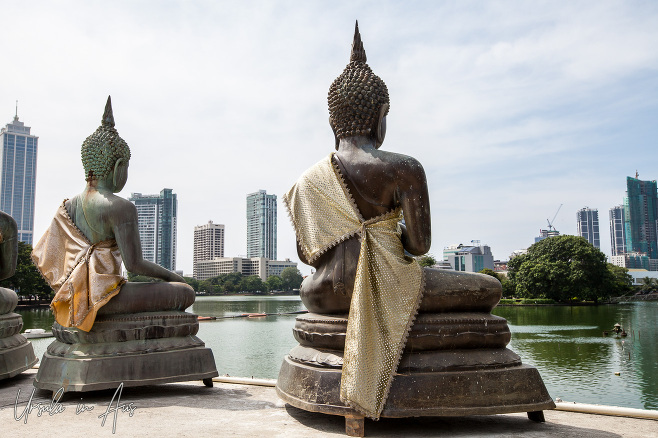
99	315
16	353
385	336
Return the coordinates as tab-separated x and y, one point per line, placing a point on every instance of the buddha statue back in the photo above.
105	324
385	337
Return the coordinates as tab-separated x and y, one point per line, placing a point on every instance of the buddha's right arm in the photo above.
126	234
417	236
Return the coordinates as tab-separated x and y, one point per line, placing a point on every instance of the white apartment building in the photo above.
208	243
260	266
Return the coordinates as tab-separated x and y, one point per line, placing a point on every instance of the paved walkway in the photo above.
192	410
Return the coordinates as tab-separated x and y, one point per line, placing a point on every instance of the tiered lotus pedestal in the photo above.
454	364
134	349
16	353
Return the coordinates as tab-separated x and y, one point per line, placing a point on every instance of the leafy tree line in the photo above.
565	268
235	282
27	280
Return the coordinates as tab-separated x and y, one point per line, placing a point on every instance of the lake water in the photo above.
565	343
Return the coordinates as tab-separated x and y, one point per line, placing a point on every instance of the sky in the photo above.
513	108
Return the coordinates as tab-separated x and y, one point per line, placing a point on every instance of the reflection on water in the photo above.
578	363
565	343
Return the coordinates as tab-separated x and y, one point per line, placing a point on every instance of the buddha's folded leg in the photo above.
451	291
149	297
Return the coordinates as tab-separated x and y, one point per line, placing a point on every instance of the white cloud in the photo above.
513	108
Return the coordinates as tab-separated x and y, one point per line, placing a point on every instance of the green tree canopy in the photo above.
491	273
427	260
562	268
27	280
291	278
274	282
252	283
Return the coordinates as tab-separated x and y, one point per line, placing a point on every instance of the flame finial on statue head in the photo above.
108	116
356	96
358	52
102	149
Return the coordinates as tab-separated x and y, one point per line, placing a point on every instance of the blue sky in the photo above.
512	107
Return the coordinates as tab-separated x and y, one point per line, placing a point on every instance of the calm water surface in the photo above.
565	343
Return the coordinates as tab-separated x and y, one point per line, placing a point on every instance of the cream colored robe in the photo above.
388	285
84	276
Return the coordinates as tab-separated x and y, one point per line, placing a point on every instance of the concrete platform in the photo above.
191	410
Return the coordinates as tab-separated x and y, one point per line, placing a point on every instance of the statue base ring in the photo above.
136	350
16	353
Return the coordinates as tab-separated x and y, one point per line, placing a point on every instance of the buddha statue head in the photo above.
358	98
105	155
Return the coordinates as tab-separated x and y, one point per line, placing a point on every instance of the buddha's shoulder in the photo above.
401	165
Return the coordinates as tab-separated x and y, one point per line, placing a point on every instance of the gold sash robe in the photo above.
388	286
84	276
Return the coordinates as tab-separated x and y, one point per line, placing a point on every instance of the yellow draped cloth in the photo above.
84	276
388	285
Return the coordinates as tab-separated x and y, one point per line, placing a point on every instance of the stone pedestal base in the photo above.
136	350
148	368
16	353
517	388
15	360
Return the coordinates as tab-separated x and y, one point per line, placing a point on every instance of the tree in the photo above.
491	273
562	268
291	278
192	282
252	283
622	281
274	282
649	285
427	260
27	280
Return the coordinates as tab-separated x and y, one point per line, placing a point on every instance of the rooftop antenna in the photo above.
637	175
16	116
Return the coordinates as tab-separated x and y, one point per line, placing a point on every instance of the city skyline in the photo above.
513	109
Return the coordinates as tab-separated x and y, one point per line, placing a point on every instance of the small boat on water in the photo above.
206	318
37	333
254	315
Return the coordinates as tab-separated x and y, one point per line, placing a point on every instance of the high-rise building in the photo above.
157	226
588	225
18	157
617	233
641	217
261	225
208	243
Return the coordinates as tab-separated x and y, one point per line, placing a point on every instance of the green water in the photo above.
566	344
578	363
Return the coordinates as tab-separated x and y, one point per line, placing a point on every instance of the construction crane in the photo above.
550	223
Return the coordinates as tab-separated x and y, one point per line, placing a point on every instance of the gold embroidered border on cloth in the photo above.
84	276
388	285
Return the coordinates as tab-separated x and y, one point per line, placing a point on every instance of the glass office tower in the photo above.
18	155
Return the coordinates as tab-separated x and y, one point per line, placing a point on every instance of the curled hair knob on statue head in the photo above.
357	96
102	149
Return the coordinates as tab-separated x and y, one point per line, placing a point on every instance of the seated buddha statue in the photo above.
16	353
356	214
100	230
80	255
